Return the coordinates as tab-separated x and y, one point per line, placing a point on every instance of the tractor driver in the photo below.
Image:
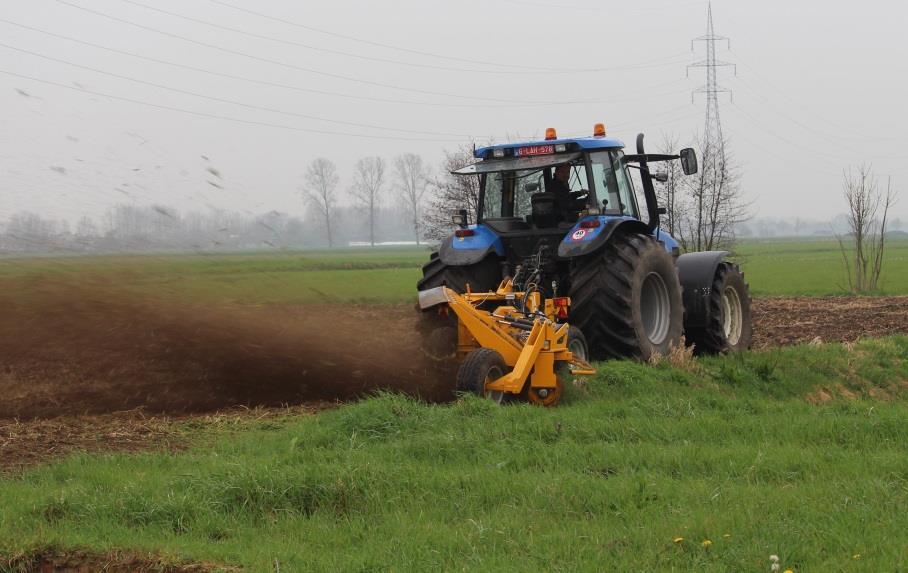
560	186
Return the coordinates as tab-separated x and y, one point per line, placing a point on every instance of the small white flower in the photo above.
774	558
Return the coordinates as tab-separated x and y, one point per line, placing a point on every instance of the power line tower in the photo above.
714	143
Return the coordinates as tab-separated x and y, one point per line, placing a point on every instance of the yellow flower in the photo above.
727	535
706	543
678	540
789	571
856	556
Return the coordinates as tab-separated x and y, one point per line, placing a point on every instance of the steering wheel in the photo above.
579	199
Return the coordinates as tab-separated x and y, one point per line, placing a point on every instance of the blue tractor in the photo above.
561	217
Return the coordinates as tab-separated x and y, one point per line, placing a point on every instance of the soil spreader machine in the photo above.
564	261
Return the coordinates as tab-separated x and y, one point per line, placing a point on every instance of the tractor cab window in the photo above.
510	193
614	188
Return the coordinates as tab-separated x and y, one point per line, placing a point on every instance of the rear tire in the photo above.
626	298
482	276
481	366
577	344
438	332
730	325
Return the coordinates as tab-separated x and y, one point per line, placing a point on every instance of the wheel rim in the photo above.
655	308
554	394
578	349
493	374
731	315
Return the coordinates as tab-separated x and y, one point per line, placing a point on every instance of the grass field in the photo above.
707	466
773	268
813	268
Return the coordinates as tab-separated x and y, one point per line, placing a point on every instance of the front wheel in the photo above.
626	298
730	325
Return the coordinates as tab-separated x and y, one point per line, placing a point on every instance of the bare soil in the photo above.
66	351
788	321
50	560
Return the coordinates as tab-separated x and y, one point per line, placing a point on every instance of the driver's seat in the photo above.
546	211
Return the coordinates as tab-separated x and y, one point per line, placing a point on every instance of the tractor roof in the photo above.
570	143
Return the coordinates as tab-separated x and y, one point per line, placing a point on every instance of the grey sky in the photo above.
819	86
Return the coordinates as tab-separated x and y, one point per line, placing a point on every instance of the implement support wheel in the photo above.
481	366
551	395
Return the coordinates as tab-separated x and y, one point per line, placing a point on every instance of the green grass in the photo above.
726	449
813	267
388	276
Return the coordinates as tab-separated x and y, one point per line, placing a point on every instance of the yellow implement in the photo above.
516	349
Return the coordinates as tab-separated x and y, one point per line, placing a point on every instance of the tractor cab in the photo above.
550	185
557	195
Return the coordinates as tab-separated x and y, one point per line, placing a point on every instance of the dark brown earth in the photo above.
114	562
93	352
92	369
787	321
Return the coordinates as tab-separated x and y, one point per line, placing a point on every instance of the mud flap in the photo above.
696	272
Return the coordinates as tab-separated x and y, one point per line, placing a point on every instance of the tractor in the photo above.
632	292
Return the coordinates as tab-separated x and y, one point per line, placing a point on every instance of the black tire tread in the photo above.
472	371
601	297
479	276
711	339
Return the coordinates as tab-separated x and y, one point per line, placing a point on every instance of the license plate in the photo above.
535	150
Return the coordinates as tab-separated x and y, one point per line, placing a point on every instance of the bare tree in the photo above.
367	187
412	182
717	205
671	194
319	191
451	193
86	227
868	212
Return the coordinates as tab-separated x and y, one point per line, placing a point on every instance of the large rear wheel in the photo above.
438	329
626	299
730	325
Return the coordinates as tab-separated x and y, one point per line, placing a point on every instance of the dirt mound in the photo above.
85	351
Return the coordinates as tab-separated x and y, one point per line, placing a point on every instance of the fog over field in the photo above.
208	106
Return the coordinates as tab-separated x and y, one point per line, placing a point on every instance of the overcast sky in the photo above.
820	86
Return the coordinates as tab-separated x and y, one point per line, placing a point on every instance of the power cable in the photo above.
233	102
378	44
319	91
656	63
222	117
252	80
288	65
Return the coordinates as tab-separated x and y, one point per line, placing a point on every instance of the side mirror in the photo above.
461	219
689	161
662	210
531	187
661	177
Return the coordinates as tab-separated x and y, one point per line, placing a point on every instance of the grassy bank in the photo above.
706	466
